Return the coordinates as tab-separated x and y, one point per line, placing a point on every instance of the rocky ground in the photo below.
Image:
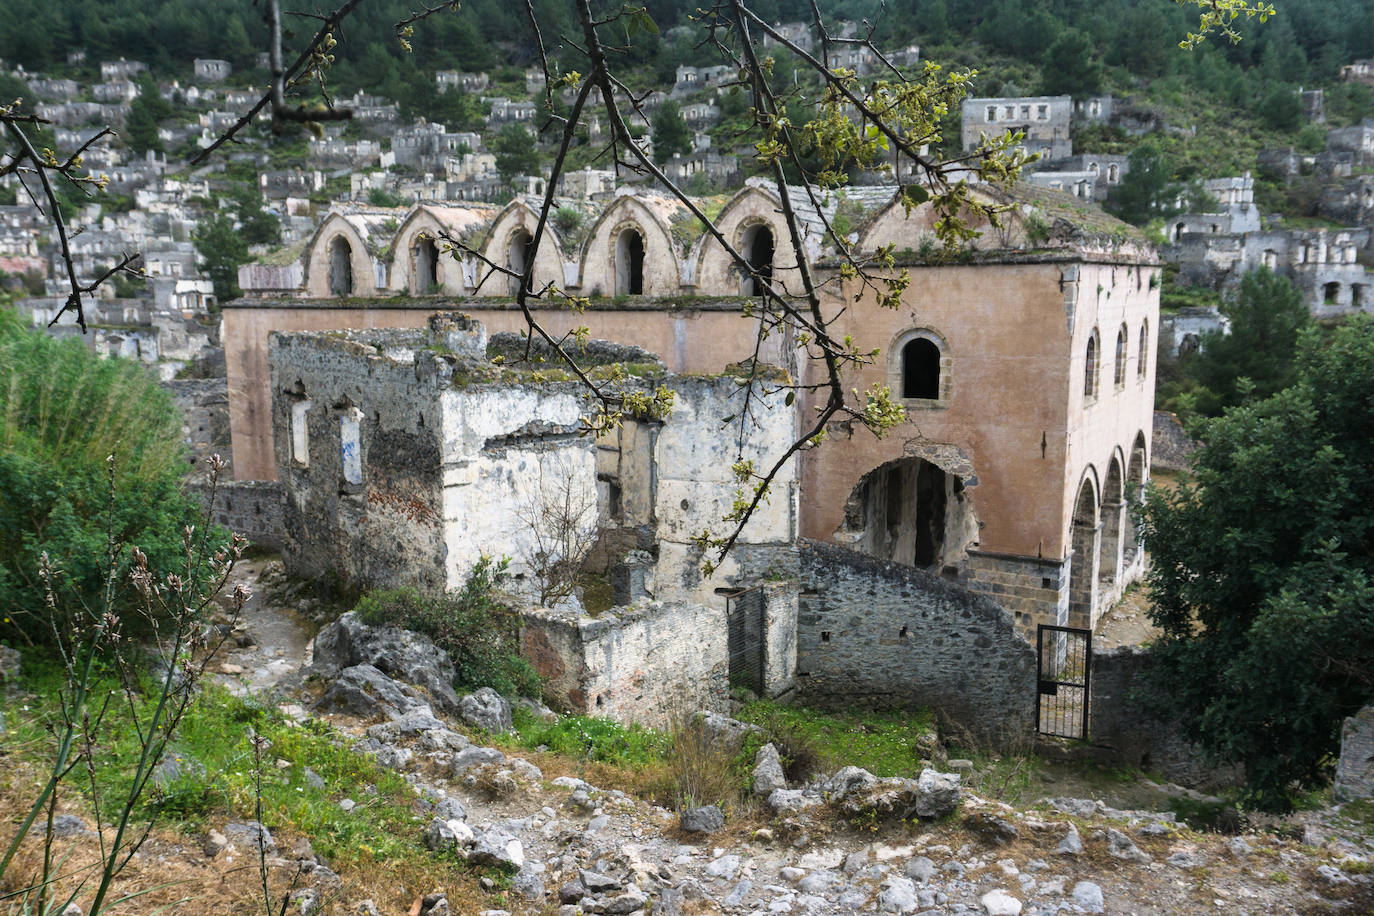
845	843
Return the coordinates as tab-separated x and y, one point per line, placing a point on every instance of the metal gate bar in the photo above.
1064	668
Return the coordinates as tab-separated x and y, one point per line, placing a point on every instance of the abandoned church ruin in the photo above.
913	567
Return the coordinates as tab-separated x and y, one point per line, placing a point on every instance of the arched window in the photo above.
1143	350
1119	370
921	369
519	257
340	267
426	265
629	263
1090	368
758	251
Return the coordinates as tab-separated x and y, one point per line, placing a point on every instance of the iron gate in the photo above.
745	642
1064	668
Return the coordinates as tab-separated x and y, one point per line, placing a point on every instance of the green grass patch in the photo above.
884	742
591	738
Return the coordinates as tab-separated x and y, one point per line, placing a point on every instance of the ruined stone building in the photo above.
1045	120
1027	368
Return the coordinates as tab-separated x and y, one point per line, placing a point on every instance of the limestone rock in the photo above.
1122	847
528	884
448	834
920	869
1089	896
475	756
897	896
723	732
786	802
1000	903
69	825
364	691
938	793
1355	769
991	829
496	847
768	775
248	834
174	765
703	819
404	655
1072	844
486	709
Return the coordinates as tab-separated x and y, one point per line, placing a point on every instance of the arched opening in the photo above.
1134	544
520	258
1178	230
1143	350
426	266
758	251
1119	368
1113	522
1090	368
1083	559
1189	345
1113	173
340	267
921	369
1330	292
629	263
914	512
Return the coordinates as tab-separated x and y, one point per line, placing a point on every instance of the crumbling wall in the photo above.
1123	732
1170	446
884	632
1355	769
252	508
356	427
645	664
204	405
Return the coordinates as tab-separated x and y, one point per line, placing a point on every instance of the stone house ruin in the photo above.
1044	119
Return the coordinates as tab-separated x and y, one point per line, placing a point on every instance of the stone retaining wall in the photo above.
253	508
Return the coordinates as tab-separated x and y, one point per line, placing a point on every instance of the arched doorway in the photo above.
519	258
1083	561
629	263
758	251
426	278
340	267
914	512
1113	523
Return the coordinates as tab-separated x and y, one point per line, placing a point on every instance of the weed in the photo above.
886	743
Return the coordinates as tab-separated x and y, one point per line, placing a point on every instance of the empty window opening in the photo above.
825	636
340	267
1143	351
1090	368
1119	370
903	633
629	263
1178	230
1113	173
1046	582
759	253
1359	295
520	258
1330	291
350	446
426	266
921	369
300	433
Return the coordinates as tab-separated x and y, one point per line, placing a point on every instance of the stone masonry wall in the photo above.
643	664
1355	770
1170	447
253	508
204	405
883	632
1122	732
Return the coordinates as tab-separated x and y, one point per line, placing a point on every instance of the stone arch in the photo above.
918	367
603	254
741	219
1137	474
418	264
915	511
758	249
1113	514
1085	541
425	265
337	261
519	254
512	226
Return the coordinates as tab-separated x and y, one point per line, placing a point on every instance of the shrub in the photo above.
478	631
63	413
